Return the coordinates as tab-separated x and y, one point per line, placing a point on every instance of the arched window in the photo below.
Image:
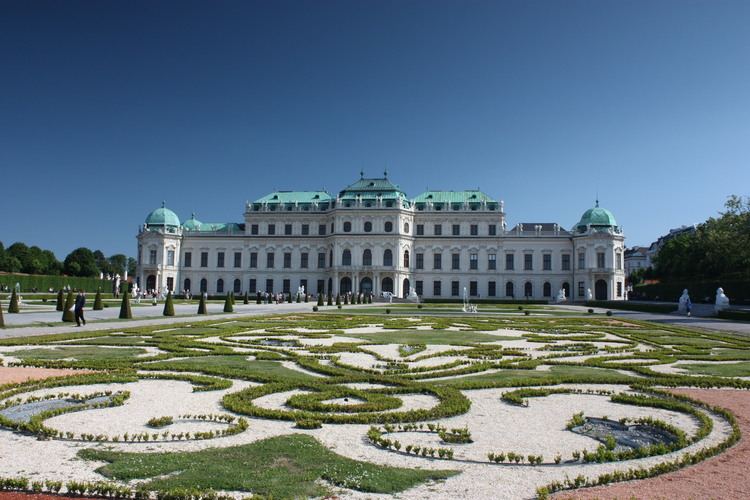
347	227
388	258
509	289
368	226
237	286
346	258
345	285
406	228
528	289
547	289
219	285
186	285
367	257
406	259
388	227
387	285
204	285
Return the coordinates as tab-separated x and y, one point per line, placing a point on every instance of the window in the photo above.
170	257
152	257
420	261
269	260
303	259
321	285
618	260
367	257
473	289
456	261
287	260
321	230
271	229
491	292
237	259
492	261
528	262
347	227
346	258
565	264
492	230
581	260
253	260
188	260
220	259
254	229
419	287
389	227
368	227
420	229
406	259
186	285
269	285
438	230
333	228
600	260
237	286
547	289
219	285
204	259
437	261
305	229
437	288
454	288
288	229
547	262
406	227
508	261
456	230
330	258
473	261
321	260
581	289
253	286
619	288
528	289
286	286
509	289
388	258
474	230
204	285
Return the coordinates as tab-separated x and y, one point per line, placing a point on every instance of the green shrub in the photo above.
527	313
202	305
330	300
258	299
387	310
591	311
13	307
28	282
246	299
98	301
68	316
2	320
60	301
315	308
320	299
169	305
125	311
609	313
308	423
228	304
159	422
338	300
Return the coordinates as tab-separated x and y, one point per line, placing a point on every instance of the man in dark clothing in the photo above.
80	302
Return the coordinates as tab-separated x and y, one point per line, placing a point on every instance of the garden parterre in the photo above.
379	399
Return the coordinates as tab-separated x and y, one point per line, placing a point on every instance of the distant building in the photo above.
372	238
636	258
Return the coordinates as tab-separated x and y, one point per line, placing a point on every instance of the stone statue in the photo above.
589	295
684	305
413	297
561	296
722	301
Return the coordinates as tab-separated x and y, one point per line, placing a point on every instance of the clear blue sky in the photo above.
108	108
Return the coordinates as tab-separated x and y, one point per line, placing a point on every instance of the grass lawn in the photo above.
530	377
279	467
78	353
740	369
434	337
238	367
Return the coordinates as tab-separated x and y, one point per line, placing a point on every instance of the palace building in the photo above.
371	237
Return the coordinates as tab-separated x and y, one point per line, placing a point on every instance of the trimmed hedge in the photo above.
734	314
43	282
632	306
738	291
486	301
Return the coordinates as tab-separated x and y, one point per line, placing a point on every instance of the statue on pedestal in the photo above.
589	295
561	296
722	301
685	305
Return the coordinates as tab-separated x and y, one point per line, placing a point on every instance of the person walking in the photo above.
80	302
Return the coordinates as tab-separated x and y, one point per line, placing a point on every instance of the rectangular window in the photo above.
287	260
528	262
454	288
547	262
254	229
237	259
565	264
456	261
253	287
253	260
152	257
619	261
437	261
321	260
473	288
188	259
220	259
600	260
491	288
170	257
321	230
581	289
269	285
492	230
581	260
438	230
474	230
420	229
286	285
287	229
321	287
333	228
456	230
420	261
508	261
305	229
619	288
204	259
270	260
271	229
492	262
419	287
437	288
303	260
473	261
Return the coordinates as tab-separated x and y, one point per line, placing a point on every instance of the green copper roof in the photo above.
469	196
192	224
372	188
597	216
163	217
295	197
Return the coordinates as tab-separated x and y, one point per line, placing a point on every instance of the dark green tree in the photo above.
246	298
330	300
258	298
320	299
60	301
338	299
81	262
98	306
14	307
125	310
169	305
228	303
2	319
202	305
68	316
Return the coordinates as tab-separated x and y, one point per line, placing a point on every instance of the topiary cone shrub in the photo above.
60	301
246	299
169	305
346	299
98	301
330	300
228	304
307	297
202	305
258	298
320	299
125	311
13	307
2	320
68	316
299	298
338	300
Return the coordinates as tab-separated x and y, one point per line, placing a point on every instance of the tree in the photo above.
14	307
228	303
246	299
60	301
81	262
117	264
2	320
132	263
98	306
125	310
320	299
202	305
68	316
169	305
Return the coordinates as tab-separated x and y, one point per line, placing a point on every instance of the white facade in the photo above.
372	238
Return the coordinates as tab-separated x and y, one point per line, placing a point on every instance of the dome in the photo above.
163	217
597	216
192	224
